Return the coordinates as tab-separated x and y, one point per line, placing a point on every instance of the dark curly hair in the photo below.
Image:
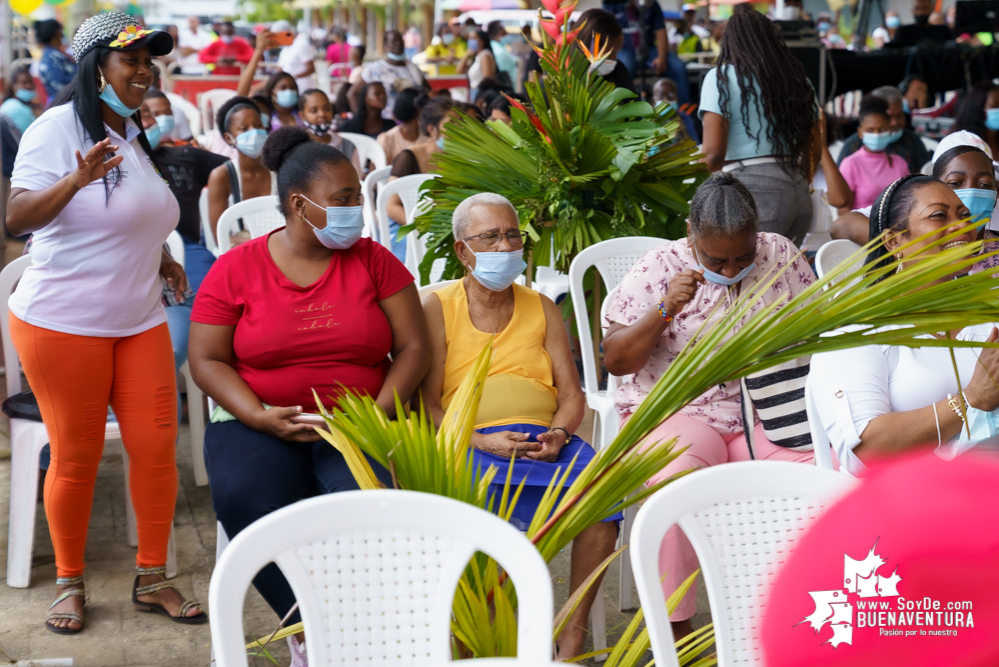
297	160
723	206
773	80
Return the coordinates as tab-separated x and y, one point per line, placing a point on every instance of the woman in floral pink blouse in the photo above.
662	303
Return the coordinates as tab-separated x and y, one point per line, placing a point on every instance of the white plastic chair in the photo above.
27	438
372	182
742	520
374	573
367	149
408	189
931	144
426	290
834	253
209	102
206	225
195	399
612	259
820	439
190	111
259	214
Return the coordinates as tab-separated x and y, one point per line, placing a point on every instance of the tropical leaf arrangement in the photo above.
586	163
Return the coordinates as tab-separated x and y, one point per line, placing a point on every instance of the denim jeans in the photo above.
398	245
251	474
781	197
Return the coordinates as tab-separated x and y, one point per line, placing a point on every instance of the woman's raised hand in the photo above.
982	392
93	166
682	289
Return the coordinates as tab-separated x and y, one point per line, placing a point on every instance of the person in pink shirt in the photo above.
338	52
871	169
225	52
661	305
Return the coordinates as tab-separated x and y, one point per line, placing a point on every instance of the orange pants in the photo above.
74	379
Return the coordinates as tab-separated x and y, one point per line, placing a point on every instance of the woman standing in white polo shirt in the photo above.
87	317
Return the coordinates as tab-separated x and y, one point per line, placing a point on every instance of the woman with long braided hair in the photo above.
760	120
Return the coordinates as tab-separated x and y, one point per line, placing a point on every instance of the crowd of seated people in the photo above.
315	304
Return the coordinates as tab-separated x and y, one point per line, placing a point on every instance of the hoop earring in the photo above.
103	84
898	258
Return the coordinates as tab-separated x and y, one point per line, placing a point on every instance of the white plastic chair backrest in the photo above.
191	112
206	227
426	290
209	102
8	281
931	144
367	149
820	439
742	520
372	182
259	214
375	573
613	381
338	66
416	246
176	245
612	259
408	189
834	253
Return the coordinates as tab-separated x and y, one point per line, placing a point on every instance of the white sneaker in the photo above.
298	656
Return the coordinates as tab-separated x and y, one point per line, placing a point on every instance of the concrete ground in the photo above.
115	633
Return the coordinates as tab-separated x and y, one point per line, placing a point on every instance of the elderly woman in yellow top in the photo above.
532	401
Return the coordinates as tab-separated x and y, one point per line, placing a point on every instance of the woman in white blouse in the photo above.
881	400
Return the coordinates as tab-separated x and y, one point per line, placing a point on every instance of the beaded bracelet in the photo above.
662	310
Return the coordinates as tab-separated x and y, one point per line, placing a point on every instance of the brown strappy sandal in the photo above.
70	615
137	590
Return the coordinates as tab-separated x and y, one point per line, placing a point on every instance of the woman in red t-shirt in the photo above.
309	306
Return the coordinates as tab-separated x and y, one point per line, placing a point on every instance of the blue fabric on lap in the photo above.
536	475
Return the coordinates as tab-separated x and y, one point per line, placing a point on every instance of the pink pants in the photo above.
707	447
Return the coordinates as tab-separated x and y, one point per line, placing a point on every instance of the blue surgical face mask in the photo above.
251	142
718	278
344	225
893	22
396	57
286	98
497	270
876	142
22	116
166	123
153	135
25	95
473	44
905	105
894	136
992	119
111	99
440	143
822	26
980	202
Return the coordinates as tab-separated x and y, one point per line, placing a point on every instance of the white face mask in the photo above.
606	67
790	14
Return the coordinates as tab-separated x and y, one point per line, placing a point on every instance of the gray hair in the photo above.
462	216
722	206
889	94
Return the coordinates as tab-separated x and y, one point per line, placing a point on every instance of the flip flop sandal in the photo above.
70	615
158	608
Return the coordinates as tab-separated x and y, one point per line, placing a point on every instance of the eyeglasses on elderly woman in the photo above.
493	239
